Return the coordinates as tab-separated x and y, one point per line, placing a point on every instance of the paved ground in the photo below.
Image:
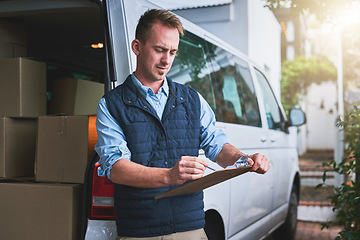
312	231
315	158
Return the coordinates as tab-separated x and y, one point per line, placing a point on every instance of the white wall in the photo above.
235	30
321	111
265	42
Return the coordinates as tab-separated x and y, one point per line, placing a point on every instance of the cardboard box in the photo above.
17	147
75	96
13	40
6	50
38	211
13	33
22	88
63	148
12	50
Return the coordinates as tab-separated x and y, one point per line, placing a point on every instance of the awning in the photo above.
186	4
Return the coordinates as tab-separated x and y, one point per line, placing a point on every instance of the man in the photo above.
150	130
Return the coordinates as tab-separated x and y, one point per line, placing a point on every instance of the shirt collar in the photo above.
146	90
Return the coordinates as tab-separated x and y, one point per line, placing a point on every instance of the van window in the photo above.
236	92
221	78
272	109
190	67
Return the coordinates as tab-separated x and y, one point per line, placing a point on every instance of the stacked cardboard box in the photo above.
63	148
21	84
65	141
22	88
17	147
62	141
13	40
75	96
39	211
23	98
52	150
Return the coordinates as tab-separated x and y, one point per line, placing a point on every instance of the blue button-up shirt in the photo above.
112	146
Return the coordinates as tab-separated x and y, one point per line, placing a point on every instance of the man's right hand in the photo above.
187	168
128	173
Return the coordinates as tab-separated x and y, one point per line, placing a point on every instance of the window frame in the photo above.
262	101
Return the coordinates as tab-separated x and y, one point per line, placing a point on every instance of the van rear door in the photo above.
122	18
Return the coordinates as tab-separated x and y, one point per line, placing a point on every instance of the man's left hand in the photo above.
260	163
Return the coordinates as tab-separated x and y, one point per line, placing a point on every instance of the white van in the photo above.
250	206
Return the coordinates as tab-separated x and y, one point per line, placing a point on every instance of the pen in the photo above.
211	168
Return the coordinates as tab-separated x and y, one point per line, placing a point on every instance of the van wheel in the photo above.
288	229
214	227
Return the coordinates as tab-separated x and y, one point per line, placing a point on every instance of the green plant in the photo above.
298	74
324	10
346	199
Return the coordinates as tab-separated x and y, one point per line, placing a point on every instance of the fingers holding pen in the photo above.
191	167
187	168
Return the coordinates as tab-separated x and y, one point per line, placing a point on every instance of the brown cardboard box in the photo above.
75	96
22	88
13	33
17	147
12	50
63	148
19	50
6	50
13	40
38	211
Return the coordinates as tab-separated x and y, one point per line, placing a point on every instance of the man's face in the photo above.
156	55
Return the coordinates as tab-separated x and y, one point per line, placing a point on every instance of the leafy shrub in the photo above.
346	199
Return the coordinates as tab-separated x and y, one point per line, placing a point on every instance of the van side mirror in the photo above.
296	117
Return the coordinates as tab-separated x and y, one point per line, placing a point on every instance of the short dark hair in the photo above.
152	16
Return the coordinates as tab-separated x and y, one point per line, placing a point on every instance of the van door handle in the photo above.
263	139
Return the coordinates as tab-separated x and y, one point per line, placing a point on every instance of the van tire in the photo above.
288	229
214	227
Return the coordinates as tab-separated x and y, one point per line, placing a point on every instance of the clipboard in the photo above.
205	182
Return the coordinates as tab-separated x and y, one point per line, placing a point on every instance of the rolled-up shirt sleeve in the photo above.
212	139
111	145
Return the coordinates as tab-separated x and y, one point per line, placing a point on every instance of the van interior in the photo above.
66	35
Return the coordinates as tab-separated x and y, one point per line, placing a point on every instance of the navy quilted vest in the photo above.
157	143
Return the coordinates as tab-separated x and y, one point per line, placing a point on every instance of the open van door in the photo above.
119	18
